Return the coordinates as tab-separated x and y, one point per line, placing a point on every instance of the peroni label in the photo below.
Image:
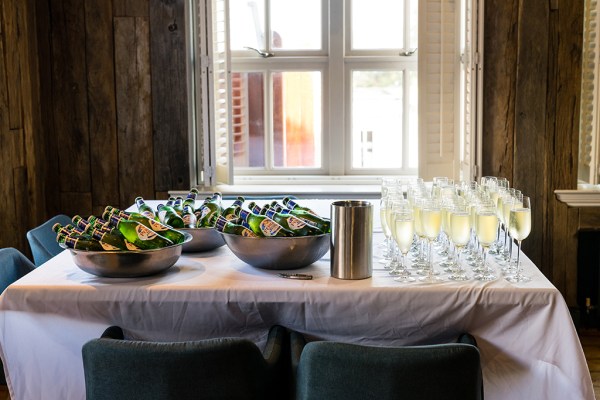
157	226
144	233
269	227
295	223
108	247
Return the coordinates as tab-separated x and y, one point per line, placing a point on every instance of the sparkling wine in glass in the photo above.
460	234
519	226
403	234
431	223
486	230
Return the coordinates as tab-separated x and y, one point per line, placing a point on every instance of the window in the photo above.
335	88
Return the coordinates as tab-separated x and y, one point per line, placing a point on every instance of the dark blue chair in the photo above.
42	239
13	266
336	371
224	368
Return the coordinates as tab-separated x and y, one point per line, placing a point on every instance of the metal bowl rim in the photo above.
275	237
188	237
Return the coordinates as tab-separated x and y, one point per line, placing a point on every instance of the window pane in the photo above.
297	119
248	119
377	24
296	25
377	119
247	24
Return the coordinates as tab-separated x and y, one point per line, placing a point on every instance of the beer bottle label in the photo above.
130	246
204	213
230	217
295	223
145	233
269	227
148	214
248	233
157	226
107	246
187	219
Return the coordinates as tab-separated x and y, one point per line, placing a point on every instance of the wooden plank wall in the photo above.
93	110
93	107
532	84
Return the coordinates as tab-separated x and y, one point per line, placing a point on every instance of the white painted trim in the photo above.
579	198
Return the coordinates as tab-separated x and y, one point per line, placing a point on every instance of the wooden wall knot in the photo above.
173	27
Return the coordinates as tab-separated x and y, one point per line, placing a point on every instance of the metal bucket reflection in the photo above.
351	239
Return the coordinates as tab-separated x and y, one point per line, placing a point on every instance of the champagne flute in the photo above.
403	234
486	230
460	234
519	226
431	223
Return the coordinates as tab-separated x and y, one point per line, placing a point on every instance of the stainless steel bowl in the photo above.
278	252
128	264
203	239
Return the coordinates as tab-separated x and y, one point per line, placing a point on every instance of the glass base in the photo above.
431	279
459	277
518	278
405	279
485	277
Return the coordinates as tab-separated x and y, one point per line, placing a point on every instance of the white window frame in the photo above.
465	161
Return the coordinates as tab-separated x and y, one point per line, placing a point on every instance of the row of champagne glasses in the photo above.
460	216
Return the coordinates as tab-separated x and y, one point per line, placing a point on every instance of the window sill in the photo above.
312	188
579	198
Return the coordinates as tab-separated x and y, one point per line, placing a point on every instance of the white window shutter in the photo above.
588	144
471	87
439	69
220	169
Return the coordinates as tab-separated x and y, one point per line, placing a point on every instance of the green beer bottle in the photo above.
229	212
323	224
112	241
188	216
292	205
169	216
79	243
292	223
209	211
178	205
262	225
172	234
139	234
190	199
70	230
145	209
226	226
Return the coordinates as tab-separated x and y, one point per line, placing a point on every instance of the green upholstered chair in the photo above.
13	265
224	368
42	239
336	371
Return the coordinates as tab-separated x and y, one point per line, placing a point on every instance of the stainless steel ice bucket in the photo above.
351	247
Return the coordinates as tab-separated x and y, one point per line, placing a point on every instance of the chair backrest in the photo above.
42	239
13	265
226	368
330	370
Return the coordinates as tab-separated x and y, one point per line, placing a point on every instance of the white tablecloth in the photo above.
529	346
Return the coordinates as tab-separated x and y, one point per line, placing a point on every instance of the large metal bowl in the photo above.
128	264
203	239
278	252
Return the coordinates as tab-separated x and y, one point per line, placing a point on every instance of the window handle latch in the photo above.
262	53
408	53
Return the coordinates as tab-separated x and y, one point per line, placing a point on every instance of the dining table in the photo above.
527	340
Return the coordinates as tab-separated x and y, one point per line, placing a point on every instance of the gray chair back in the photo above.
42	239
224	368
340	371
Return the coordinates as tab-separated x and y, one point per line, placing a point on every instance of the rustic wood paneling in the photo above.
130	8
69	83
102	111
169	95
134	109
529	165
500	70
11	19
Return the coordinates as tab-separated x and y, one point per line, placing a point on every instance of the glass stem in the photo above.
518	257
